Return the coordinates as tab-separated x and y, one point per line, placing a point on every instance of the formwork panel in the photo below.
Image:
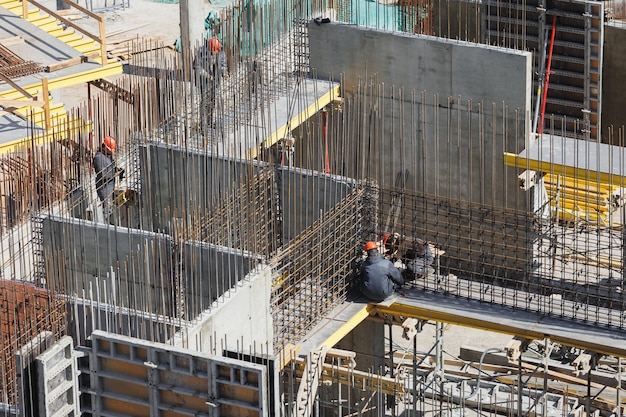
23	359
57	391
150	378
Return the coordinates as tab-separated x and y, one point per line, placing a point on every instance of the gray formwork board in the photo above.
91	315
307	195
141	378
212	270
57	380
25	374
178	181
114	264
446	68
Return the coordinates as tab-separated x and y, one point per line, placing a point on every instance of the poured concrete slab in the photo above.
576	158
14	128
288	111
411	302
40	47
482	315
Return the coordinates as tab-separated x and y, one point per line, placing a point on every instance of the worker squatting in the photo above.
403	259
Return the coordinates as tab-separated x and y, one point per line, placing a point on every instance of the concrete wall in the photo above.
176	182
613	81
306	196
114	265
455	69
367	341
241	319
210	271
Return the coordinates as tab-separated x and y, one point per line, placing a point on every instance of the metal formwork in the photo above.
57	380
139	378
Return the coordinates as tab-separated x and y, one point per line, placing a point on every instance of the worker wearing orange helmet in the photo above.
209	67
106	173
379	278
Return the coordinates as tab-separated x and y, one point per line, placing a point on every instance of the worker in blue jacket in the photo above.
379	278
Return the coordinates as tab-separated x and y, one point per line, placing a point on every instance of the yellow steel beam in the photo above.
499	327
44	137
296	121
56	83
513	160
348	326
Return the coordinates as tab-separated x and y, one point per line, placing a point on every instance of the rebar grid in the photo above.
246	219
513	258
313	272
25	311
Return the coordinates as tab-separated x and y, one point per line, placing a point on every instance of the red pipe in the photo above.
326	158
545	89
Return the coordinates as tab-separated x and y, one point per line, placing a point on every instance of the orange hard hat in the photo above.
215	45
109	143
370	245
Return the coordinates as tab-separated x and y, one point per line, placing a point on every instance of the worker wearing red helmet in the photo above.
379	278
106	174
210	67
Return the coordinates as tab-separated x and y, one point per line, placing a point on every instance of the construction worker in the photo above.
379	278
391	242
106	174
417	256
209	66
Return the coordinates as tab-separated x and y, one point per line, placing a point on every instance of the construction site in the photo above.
225	280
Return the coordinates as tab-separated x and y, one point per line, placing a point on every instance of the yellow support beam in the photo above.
498	326
45	137
296	121
513	160
348	326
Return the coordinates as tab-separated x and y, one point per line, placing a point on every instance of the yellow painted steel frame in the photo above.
496	326
282	131
404	310
513	160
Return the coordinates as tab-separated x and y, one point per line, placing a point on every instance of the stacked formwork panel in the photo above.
25	311
573	101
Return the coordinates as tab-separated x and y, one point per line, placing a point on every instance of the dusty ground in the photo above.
152	21
454	337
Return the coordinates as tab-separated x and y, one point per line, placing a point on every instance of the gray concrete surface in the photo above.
240	319
307	195
211	271
177	182
115	265
445	68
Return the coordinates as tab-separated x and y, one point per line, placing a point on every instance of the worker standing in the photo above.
379	278
106	174
209	66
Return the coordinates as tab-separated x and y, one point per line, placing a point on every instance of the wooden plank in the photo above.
357	379
16	104
66	63
14	40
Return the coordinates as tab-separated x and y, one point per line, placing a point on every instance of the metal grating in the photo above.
312	275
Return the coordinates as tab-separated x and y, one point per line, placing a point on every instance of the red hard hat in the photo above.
215	45
370	245
109	143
